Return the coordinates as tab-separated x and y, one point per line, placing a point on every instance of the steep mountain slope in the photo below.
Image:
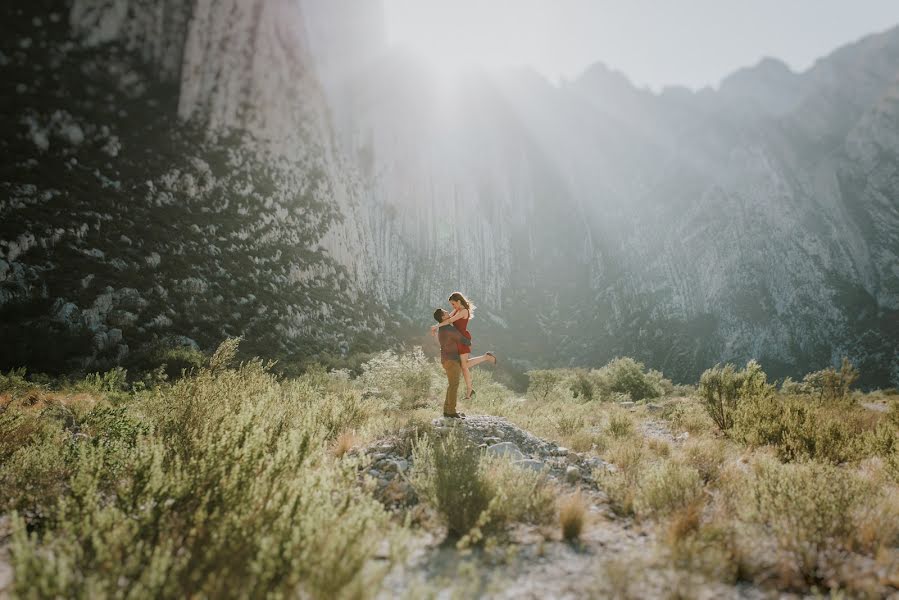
123	227
595	219
272	168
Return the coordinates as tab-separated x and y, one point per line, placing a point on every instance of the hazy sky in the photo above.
654	42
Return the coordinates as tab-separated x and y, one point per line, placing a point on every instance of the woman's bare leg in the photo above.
473	362
466	374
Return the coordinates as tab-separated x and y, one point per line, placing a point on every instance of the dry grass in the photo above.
620	425
585	441
343	443
706	455
572	516
665	487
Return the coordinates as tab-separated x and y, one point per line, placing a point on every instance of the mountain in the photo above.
149	204
588	219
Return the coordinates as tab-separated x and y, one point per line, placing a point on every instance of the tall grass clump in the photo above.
572	516
628	457
215	486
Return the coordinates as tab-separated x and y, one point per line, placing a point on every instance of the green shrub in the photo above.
705	455
666	487
14	382
628	376
224	493
583	386
403	379
448	475
689	416
807	509
545	382
115	380
517	495
113	425
799	429
33	465
722	388
830	385
178	361
620	425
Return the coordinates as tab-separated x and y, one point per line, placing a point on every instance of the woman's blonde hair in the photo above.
458	297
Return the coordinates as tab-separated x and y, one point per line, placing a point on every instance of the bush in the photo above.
403	379
211	487
628	376
583	386
14	382
666	487
705	455
620	425
689	416
808	511
830	385
800	430
447	474
569	424
627	456
517	495
115	380
722	388
544	382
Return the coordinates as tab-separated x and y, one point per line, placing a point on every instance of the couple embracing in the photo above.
455	349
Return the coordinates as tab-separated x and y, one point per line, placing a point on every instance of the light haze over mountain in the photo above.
588	219
694	44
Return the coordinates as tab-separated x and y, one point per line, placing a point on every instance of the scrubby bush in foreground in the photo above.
477	495
215	486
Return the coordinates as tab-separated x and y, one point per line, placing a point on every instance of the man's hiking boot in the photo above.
455	415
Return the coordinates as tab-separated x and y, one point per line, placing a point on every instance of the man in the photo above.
449	339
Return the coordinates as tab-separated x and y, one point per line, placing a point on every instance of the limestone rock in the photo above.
506	449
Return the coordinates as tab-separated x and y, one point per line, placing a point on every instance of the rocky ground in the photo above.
536	562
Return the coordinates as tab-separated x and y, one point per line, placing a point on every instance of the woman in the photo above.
463	312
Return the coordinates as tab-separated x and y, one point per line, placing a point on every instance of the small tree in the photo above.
830	385
721	389
543	382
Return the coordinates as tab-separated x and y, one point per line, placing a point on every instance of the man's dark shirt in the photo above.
449	338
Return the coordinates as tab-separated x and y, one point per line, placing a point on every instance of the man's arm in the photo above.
454	317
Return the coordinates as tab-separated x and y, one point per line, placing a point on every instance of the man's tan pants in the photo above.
453	370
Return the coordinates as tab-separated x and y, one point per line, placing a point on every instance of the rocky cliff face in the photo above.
588	220
147	203
594	219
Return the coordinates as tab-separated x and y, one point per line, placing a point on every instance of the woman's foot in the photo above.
491	355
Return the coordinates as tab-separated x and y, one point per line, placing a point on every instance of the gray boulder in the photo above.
507	449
